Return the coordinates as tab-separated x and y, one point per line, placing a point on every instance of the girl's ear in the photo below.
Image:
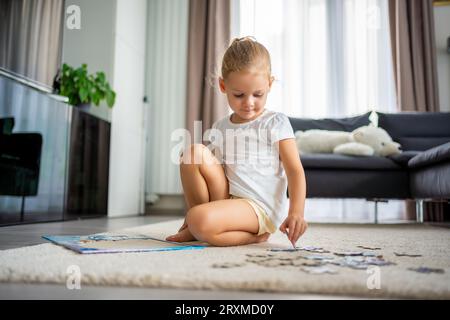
271	80
222	85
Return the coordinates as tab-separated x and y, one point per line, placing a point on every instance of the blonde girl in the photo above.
237	196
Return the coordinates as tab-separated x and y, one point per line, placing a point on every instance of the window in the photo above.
329	58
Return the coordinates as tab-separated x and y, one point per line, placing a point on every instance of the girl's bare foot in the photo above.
182	236
263	237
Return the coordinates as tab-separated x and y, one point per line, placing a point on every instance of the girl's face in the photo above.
246	93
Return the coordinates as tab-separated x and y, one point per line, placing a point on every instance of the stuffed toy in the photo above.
320	141
364	141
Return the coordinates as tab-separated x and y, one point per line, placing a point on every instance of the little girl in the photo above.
237	196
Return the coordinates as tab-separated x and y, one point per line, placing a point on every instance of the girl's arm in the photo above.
295	221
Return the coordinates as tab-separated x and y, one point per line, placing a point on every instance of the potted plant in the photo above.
83	88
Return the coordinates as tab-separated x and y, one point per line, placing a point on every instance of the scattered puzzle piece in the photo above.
283	249
379	262
313	249
370	254
227	265
256	261
318	270
402	254
369	248
274	263
427	270
317	257
259	255
349	253
308	263
315	263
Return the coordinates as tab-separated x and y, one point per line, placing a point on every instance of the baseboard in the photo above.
172	205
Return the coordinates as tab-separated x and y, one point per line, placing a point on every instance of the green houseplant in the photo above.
82	88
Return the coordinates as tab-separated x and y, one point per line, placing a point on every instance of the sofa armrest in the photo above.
431	156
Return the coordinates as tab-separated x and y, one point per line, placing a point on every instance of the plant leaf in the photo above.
81	87
110	98
84	94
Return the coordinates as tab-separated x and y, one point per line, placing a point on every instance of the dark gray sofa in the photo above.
421	172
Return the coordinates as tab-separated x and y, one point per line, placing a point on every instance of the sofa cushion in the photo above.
338	161
342	124
351	183
417	130
430	157
403	158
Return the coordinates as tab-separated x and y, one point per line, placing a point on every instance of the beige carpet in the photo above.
48	263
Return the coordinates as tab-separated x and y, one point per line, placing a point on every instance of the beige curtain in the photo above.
415	68
414	54
30	38
209	36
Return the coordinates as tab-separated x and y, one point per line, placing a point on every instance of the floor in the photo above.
30	234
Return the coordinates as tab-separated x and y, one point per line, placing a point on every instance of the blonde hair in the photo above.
245	54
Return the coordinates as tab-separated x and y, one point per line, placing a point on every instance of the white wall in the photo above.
93	43
442	25
126	193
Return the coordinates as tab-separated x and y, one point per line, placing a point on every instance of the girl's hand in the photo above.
294	226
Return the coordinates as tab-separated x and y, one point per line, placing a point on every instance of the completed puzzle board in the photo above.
118	243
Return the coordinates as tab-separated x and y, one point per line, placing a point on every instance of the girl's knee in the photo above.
193	154
200	223
198	154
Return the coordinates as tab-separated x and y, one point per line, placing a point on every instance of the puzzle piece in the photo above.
317	257
427	270
369	248
378	262
308	263
275	263
259	255
402	254
318	270
227	265
313	249
283	249
349	253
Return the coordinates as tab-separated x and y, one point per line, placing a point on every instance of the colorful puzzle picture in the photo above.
118	243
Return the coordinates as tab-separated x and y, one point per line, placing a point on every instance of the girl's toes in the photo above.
263	237
172	238
185	236
182	236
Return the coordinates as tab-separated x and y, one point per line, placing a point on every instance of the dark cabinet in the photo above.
87	190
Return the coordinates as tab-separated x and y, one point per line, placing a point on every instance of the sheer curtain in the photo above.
30	38
330	58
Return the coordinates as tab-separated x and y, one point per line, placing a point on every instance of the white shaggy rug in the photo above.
49	263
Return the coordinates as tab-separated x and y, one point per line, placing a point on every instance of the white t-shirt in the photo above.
250	156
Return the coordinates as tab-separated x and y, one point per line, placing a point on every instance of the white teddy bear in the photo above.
364	141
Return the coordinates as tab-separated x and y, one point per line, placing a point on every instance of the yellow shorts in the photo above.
265	224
